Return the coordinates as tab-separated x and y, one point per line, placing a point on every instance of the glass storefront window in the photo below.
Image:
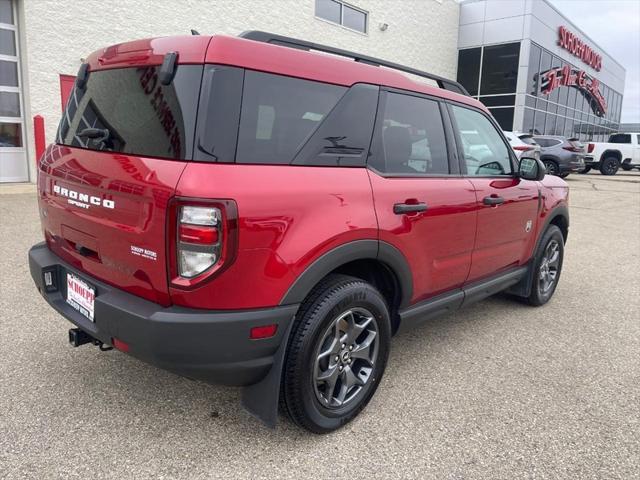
7	42
545	61
568	128
567	110
542	104
9	104
534	68
572	95
10	135
555	63
8	73
538	122
469	69
563	92
500	69
498	101
527	121
504	117
550	125
6	13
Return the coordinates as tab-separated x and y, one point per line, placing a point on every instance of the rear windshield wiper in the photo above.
98	133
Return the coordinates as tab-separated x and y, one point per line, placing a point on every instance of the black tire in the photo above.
626	167
552	167
308	399
564	175
585	170
609	166
540	292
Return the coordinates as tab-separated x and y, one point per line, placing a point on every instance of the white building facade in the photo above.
52	36
537	71
43	42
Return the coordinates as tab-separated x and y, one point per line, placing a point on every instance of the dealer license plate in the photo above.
80	295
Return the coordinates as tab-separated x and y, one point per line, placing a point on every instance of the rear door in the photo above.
424	208
104	187
507	205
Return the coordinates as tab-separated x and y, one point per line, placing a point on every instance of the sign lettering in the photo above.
568	77
576	46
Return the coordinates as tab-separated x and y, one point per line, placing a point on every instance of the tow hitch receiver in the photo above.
78	337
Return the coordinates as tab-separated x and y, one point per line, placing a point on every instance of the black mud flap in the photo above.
262	399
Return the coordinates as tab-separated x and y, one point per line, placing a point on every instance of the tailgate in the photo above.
122	144
106	215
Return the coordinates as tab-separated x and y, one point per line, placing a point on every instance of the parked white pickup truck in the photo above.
622	150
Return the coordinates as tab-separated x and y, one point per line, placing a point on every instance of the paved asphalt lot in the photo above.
499	390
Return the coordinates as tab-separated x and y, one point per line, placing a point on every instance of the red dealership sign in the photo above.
570	77
576	46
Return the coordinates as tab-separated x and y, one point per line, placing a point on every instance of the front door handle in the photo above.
401	208
493	200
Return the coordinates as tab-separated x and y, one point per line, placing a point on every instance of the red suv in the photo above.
249	211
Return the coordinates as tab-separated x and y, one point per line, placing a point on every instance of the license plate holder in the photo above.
81	296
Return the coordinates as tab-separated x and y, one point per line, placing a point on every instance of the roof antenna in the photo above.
194	32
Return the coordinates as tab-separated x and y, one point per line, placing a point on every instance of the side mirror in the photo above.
531	169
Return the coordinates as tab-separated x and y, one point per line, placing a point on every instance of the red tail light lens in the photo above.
573	149
590	148
197	234
523	148
202	239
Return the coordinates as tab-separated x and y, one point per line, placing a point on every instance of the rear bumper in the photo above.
200	344
575	164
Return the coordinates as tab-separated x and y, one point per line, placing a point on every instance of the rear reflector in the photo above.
119	345
264	331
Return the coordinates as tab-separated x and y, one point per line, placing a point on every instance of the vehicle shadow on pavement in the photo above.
150	394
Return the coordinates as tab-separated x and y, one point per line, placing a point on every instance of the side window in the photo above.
410	137
620	138
278	114
543	142
485	152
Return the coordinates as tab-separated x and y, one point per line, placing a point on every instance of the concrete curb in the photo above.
17	188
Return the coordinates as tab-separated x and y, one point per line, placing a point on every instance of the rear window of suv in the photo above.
134	113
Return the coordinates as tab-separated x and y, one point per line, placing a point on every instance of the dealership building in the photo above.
529	64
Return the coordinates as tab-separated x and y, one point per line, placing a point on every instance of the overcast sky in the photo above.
615	26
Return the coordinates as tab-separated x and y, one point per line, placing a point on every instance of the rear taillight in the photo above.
523	148
202	239
198	239
573	149
590	147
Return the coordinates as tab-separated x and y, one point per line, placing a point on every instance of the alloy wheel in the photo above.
610	167
551	168
549	266
345	357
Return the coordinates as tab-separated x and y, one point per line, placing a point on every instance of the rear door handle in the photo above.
401	208
493	200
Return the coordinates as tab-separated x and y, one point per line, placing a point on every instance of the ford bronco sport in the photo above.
249	211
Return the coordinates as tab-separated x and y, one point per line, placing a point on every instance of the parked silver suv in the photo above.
560	155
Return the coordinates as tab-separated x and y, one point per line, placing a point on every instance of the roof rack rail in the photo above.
283	41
